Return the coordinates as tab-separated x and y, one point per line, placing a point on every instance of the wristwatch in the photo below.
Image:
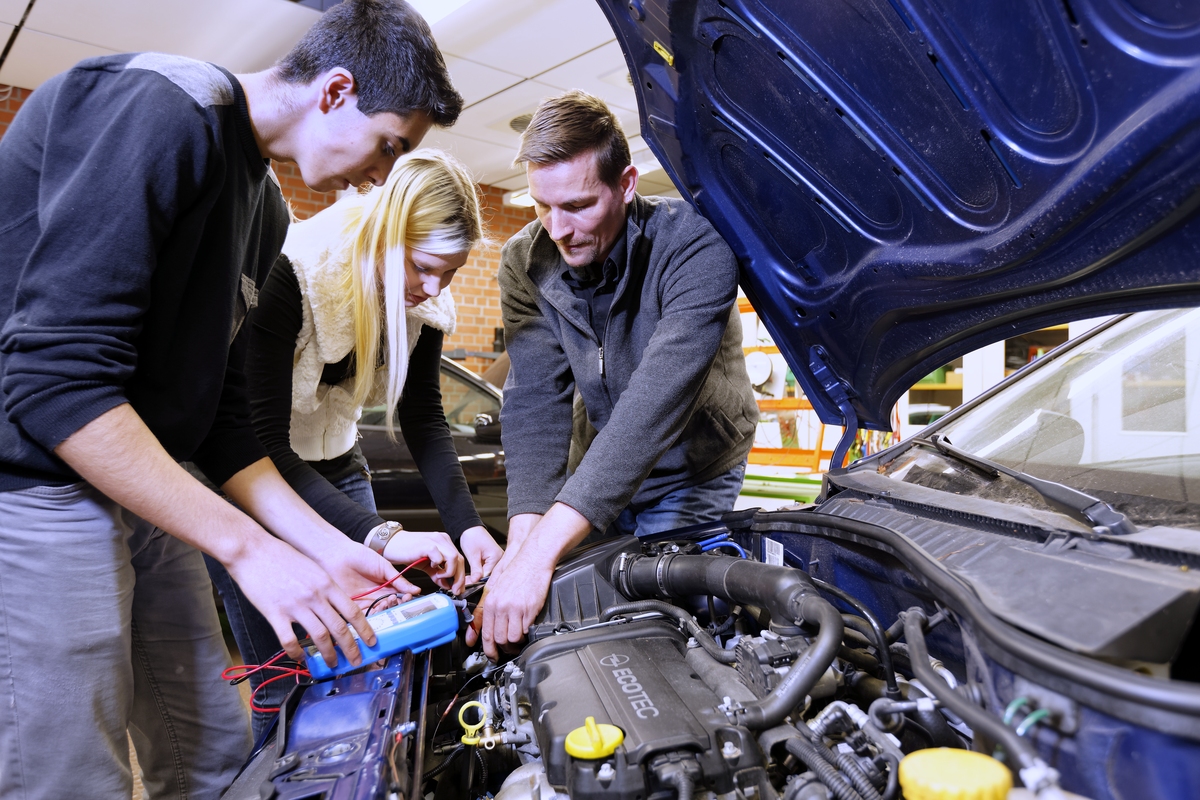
380	535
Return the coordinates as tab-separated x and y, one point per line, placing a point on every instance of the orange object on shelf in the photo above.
786	404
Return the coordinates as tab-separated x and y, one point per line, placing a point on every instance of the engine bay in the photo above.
686	667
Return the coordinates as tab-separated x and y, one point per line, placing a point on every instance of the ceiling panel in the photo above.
488	162
488	120
476	82
241	35
10	14
601	72
37	56
526	37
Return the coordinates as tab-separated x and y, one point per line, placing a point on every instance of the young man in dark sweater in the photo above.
138	216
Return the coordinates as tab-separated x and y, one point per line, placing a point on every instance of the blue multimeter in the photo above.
417	625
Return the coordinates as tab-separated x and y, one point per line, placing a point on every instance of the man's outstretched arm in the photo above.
119	455
519	585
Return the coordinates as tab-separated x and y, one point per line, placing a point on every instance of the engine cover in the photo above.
633	676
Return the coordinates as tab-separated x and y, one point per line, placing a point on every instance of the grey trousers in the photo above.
108	626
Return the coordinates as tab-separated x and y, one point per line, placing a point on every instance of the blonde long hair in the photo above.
429	203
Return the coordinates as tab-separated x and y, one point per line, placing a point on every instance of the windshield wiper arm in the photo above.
1092	511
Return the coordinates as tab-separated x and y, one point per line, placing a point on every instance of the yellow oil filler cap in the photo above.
594	741
947	774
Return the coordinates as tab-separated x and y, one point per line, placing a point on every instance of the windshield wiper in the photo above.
1092	511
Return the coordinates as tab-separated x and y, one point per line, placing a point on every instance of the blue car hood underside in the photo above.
904	181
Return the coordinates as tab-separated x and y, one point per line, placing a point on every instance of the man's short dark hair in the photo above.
571	124
388	48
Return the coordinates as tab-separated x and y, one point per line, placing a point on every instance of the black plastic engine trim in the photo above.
1120	692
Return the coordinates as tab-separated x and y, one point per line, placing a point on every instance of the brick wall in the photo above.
476	292
8	108
475	289
304	201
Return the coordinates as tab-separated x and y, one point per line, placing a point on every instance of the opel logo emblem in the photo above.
614	660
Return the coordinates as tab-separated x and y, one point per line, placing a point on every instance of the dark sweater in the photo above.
275	326
670	396
136	215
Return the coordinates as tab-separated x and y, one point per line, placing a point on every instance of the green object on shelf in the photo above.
937	376
802	488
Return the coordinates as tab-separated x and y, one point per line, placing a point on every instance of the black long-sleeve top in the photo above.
136	217
275	325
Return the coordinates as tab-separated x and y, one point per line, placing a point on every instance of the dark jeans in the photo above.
107	629
690	505
256	639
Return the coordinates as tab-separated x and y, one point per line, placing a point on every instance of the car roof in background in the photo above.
904	182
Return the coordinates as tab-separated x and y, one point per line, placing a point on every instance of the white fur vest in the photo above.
324	417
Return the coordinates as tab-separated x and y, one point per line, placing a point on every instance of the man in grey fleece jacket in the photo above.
628	300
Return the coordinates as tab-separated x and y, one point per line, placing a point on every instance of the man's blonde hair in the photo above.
429	203
571	124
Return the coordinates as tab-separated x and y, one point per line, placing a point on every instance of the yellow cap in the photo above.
594	741
947	774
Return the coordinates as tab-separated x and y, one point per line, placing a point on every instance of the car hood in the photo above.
905	181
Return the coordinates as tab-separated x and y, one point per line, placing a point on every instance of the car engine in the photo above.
677	668
716	676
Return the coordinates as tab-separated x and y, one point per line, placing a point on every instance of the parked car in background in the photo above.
400	491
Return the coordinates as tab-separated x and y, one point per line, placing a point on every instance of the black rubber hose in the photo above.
446	762
786	593
931	721
980	720
854	772
881	643
892	790
851	637
681	781
806	790
689	624
842	761
863	660
807	752
483	770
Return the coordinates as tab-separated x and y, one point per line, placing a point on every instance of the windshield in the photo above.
1117	416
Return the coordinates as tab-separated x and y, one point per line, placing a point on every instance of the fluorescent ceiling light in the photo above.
519	198
435	10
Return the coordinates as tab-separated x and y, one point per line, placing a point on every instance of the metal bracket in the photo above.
840	393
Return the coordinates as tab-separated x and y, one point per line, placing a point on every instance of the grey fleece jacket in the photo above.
668	392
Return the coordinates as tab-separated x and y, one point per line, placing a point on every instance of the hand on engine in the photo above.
520	582
512	602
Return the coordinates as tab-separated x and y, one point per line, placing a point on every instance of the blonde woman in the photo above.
365	282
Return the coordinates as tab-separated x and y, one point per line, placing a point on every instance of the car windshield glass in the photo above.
1117	416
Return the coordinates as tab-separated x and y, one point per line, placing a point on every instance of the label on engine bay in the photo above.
772	552
398	615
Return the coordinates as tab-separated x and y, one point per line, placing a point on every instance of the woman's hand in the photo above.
481	551
445	564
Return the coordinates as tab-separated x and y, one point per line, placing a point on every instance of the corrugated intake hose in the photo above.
678	778
807	752
685	619
787	594
844	762
1035	773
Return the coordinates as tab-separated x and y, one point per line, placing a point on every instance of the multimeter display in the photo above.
418	625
